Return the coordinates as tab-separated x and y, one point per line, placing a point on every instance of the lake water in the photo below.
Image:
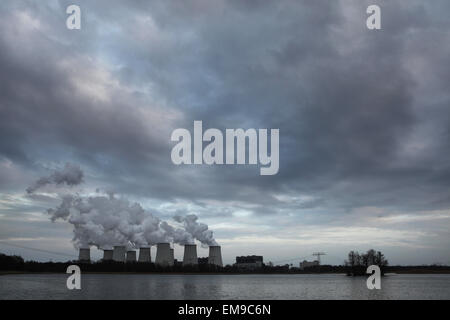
216	287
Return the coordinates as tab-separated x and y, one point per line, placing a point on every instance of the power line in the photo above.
36	249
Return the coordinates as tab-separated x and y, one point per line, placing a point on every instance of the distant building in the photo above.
249	262
203	261
307	264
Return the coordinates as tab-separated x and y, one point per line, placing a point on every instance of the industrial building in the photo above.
249	262
145	255
306	264
119	253
131	256
172	257
107	255
190	255
84	255
215	256
164	255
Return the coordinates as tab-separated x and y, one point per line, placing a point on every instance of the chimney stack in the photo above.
164	255
131	256
119	253
190	255
84	255
215	256
145	255
107	255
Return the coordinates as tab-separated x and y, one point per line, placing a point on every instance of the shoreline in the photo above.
418	272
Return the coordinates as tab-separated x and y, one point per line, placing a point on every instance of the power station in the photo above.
145	255
131	256
164	255
119	253
84	255
215	256
172	257
107	255
190	255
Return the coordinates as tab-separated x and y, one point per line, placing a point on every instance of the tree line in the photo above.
357	263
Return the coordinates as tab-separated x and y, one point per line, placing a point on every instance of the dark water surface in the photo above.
216	287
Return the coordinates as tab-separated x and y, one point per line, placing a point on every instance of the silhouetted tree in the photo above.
11	263
357	264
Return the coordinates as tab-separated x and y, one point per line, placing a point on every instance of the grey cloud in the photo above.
363	116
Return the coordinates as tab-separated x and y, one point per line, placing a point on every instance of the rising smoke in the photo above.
196	229
71	175
106	220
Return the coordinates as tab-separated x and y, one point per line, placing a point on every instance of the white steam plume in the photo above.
196	229
105	220
71	175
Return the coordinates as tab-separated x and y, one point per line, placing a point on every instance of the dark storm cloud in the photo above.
363	115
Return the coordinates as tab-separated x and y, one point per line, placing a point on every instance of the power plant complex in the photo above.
119	253
190	255
164	255
145	255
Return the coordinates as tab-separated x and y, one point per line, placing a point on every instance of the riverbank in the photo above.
390	273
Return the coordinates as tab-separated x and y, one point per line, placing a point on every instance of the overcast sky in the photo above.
364	120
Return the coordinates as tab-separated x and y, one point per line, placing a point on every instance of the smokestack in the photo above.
215	256
119	253
131	256
164	256
145	255
172	257
107	255
190	255
84	254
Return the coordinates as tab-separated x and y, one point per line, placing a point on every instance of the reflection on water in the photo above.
216	287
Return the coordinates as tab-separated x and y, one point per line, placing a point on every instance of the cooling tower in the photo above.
85	254
190	255
215	256
131	256
119	253
163	255
107	255
145	255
